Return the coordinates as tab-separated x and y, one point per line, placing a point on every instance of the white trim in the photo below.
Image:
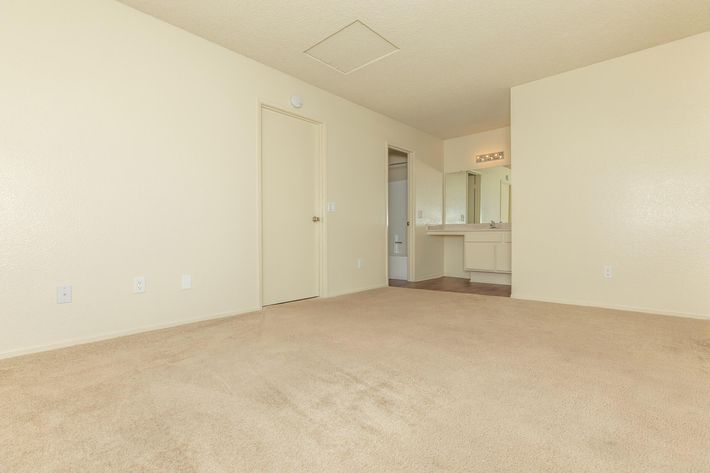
351	70
487	277
71	342
642	310
412	209
429	276
345	73
362	289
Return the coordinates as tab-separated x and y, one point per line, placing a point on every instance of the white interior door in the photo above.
290	203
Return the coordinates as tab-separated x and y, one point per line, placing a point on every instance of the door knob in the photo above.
316	219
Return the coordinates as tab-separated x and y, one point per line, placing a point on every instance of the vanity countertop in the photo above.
461	228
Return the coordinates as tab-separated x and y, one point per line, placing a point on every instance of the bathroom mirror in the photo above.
478	196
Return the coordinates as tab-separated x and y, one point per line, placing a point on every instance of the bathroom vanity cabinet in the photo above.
486	251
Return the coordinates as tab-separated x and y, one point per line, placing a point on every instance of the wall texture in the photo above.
491	179
460	153
612	167
129	148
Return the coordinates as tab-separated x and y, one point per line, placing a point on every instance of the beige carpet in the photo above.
391	380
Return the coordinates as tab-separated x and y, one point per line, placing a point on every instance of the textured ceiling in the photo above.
457	58
352	48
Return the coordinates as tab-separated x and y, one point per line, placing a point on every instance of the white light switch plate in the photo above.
64	295
331	207
608	272
186	281
139	285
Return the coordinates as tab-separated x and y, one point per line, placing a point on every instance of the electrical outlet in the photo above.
608	272
186	281
139	285
360	263
64	294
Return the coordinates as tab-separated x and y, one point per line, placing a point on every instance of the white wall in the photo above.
491	179
455	197
428	250
398	267
129	147
612	166
397	207
398	217
460	155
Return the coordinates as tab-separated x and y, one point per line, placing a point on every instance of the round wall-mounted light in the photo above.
296	101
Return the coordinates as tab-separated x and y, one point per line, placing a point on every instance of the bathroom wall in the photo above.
397	230
397	204
460	153
491	179
455	197
398	217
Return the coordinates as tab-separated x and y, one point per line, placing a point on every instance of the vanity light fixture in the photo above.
484	158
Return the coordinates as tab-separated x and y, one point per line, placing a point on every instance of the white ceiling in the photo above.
457	58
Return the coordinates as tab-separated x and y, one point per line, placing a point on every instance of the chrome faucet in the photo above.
493	224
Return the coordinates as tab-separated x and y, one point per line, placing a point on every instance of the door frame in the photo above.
320	196
411	212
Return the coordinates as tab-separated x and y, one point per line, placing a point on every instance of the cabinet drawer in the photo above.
484	236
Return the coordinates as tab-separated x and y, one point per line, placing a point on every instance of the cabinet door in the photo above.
503	257
479	256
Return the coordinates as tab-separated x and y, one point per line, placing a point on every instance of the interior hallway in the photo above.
390	380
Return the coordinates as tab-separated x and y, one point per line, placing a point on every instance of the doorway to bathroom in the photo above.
399	228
